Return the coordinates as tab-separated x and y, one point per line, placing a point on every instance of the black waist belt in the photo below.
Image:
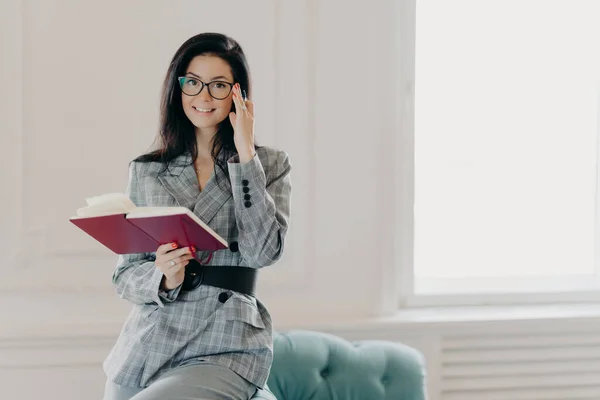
238	279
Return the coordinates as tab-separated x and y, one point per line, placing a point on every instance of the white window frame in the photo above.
547	290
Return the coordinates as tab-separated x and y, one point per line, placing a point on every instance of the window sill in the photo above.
452	318
497	313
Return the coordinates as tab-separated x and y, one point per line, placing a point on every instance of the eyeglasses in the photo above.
218	90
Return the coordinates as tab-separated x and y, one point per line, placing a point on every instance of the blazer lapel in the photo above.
213	196
181	182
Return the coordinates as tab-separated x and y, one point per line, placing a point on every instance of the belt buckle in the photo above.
194	275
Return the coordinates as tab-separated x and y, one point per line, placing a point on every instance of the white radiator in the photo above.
499	353
520	367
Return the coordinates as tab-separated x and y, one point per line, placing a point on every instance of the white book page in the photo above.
145	212
107	204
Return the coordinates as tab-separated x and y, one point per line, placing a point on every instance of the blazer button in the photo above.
247	197
246	189
233	247
245	182
223	297
247	204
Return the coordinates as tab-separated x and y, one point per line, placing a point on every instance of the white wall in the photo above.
83	84
78	100
80	85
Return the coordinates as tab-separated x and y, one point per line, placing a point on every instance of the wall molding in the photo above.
37	262
293	65
449	348
11	124
53	352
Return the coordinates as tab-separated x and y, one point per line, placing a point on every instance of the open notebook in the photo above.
115	221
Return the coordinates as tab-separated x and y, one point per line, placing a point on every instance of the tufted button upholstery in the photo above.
319	366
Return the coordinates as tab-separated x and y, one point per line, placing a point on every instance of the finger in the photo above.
240	97
243	98
232	117
237	101
163	249
179	252
165	258
170	272
250	107
176	263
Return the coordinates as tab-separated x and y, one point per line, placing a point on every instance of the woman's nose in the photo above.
204	95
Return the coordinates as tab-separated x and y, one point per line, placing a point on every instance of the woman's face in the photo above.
204	111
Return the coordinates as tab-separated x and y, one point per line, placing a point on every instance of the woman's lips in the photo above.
203	111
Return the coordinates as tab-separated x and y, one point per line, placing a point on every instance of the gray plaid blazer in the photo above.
167	329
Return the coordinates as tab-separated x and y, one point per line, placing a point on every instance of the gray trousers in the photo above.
193	382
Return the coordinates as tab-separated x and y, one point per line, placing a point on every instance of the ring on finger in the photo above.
172	263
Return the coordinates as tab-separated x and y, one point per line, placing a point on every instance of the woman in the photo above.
197	331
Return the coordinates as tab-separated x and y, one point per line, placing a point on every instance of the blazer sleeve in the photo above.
136	277
262	206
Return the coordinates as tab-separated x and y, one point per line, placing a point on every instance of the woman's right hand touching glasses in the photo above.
171	261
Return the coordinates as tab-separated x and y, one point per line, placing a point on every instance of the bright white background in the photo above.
507	108
80	84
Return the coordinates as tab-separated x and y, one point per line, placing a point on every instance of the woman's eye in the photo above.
220	85
191	82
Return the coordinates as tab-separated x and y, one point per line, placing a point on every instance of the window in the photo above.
507	112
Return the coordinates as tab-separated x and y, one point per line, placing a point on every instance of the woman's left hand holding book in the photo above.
171	261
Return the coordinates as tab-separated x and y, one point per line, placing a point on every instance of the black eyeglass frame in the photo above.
182	78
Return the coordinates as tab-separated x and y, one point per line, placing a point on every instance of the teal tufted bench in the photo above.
319	366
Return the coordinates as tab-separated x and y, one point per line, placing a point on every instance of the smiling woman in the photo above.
218	63
205	338
207	108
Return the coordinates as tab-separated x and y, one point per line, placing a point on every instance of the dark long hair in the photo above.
177	133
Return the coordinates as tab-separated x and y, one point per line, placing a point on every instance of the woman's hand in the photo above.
243	125
172	264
